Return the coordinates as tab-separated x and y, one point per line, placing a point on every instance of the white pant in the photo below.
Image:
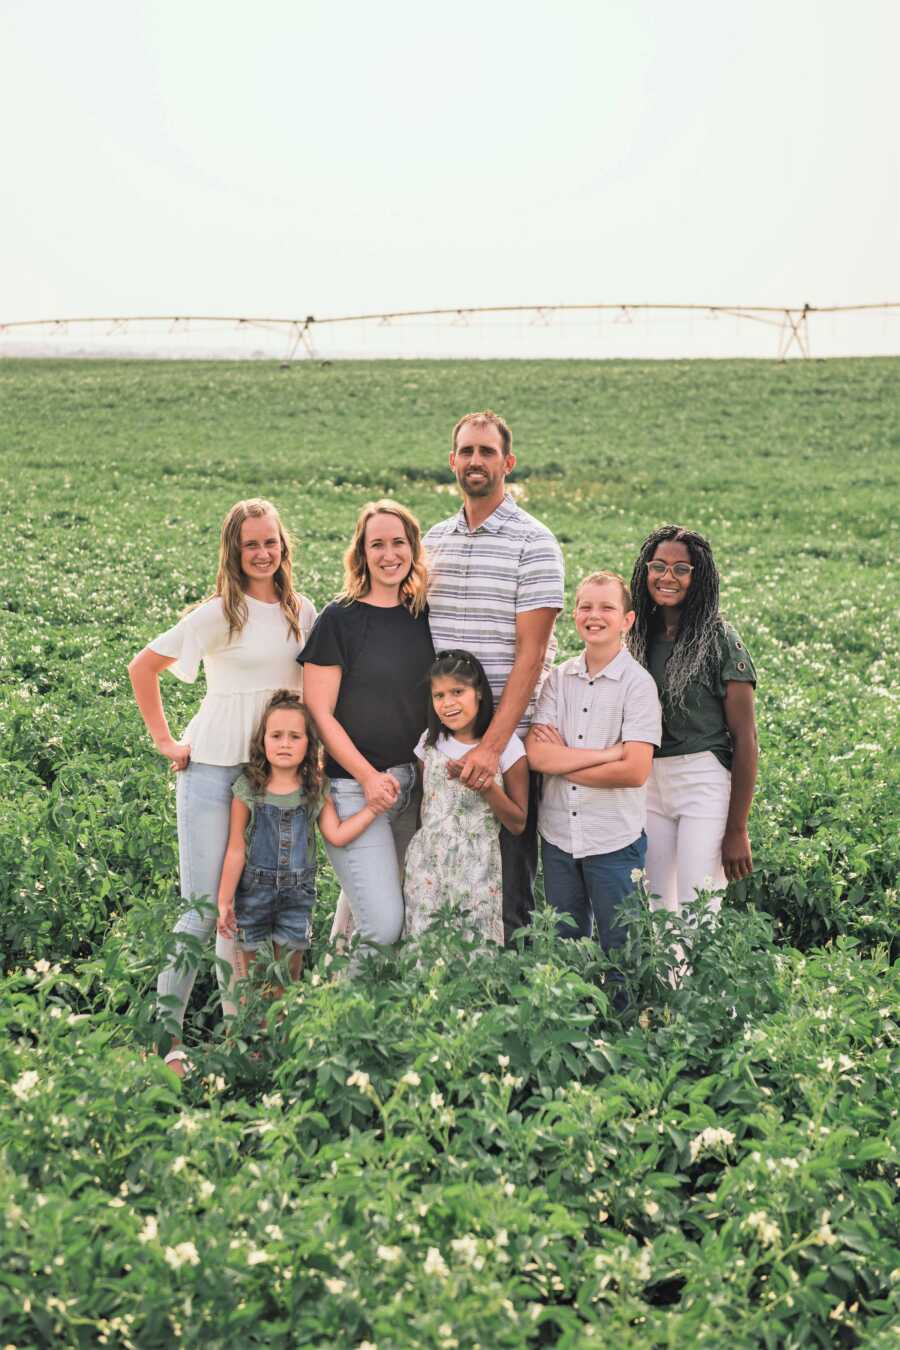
687	807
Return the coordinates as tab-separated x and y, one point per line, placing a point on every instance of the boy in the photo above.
595	729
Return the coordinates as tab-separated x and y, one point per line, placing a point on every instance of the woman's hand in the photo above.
737	857
382	790
227	924
176	751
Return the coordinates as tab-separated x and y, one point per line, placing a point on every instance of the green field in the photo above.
719	1165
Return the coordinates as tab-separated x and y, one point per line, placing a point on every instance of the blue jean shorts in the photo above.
274	905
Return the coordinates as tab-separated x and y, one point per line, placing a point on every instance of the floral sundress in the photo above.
454	857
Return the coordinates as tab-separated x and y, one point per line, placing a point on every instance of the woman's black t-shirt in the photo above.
384	656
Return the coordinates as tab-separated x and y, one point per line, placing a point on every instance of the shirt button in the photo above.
574	813
584	710
580	737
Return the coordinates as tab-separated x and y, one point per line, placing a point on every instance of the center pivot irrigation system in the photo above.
790	322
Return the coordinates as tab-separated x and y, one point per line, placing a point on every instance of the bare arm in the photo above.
631	771
232	867
321	686
510	802
339	832
737	857
533	629
548	753
145	670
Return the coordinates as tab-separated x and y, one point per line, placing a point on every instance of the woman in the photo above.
247	635
701	784
365	685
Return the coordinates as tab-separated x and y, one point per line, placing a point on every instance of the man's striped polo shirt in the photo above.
481	579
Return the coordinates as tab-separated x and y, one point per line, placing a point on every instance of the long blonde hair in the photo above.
230	579
357	582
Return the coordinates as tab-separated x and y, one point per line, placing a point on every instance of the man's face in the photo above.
478	460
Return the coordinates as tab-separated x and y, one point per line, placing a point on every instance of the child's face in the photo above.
285	738
600	616
455	702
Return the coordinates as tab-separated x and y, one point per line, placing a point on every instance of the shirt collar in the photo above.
614	671
495	521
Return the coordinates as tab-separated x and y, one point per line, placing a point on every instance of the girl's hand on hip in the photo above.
382	790
179	754
227	924
737	856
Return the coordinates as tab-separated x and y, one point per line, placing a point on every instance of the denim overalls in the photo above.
277	889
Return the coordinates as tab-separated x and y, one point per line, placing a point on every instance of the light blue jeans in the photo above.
370	869
203	808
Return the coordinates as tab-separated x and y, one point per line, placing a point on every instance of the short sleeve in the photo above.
201	631
642	716
242	790
513	751
307	617
546	710
327	644
542	575
314	804
736	662
419	747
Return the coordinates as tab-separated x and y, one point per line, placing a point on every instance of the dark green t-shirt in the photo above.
700	724
285	801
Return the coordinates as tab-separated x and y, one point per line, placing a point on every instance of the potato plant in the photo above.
452	1149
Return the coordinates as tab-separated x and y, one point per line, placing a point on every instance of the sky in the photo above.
285	159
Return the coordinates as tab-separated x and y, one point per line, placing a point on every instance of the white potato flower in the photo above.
435	1264
24	1086
183	1253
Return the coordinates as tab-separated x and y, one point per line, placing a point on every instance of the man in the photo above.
496	587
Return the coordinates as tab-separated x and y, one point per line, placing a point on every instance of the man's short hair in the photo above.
600	579
488	419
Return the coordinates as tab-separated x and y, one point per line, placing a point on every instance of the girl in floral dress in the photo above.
454	858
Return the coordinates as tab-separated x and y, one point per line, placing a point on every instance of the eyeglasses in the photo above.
658	568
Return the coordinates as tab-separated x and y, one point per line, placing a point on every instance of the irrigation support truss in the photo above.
792	322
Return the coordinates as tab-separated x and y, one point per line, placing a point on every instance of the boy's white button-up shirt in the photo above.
594	712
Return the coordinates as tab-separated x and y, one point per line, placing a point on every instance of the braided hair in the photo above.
695	650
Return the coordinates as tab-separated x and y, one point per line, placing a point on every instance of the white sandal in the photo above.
178	1056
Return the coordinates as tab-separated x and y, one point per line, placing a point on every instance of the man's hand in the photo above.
737	858
477	769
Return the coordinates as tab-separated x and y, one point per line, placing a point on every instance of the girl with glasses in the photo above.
701	785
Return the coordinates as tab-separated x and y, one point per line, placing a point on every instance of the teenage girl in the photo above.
247	636
454	858
701	784
268	884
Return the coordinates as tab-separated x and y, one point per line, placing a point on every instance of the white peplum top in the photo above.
241	675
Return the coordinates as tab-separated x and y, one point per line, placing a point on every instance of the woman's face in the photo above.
668	589
388	552
260	547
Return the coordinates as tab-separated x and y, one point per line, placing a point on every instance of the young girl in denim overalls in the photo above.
268	884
